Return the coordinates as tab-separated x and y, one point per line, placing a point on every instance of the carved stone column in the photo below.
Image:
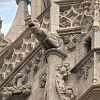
96	42
96	25
54	58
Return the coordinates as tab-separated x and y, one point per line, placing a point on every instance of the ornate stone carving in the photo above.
71	41
0	24
62	76
49	40
9	91
96	26
83	72
63	71
17	52
45	23
39	61
44	19
77	15
43	79
67	16
20	84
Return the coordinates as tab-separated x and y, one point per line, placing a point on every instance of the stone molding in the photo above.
55	51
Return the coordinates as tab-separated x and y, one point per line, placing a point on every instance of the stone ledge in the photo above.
55	51
24	89
67	31
66	2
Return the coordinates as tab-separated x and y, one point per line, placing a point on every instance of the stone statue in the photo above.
48	40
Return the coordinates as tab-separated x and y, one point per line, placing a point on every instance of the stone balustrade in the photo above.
86	75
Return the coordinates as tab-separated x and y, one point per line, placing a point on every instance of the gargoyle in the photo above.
47	40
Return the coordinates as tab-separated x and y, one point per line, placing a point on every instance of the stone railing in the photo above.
20	79
15	53
17	61
84	75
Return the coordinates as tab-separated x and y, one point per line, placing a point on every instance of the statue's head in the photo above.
32	23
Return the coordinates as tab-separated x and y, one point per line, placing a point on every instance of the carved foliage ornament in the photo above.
71	41
16	54
22	82
83	72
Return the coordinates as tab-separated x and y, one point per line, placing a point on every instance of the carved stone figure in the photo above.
47	40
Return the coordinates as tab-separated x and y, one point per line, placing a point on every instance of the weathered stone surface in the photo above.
57	57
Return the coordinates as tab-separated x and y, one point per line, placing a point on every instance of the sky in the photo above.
7	13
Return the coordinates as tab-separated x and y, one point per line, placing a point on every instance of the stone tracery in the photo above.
62	76
76	15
